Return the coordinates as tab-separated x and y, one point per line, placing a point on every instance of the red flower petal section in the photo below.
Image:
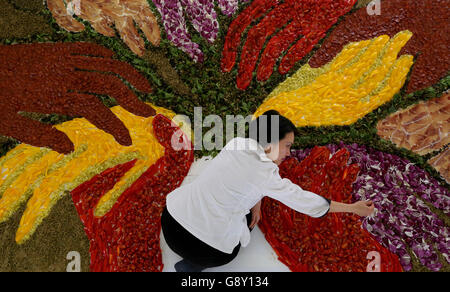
126	239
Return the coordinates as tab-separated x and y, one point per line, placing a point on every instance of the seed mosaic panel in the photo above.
89	95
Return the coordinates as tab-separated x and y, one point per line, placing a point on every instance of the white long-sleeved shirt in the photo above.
214	205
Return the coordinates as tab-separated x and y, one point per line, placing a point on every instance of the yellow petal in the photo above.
367	71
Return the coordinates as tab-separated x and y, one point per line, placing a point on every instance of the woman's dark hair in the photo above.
270	127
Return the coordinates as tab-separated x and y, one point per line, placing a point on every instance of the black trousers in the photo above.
189	247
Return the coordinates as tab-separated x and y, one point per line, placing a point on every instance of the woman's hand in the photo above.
256	214
363	208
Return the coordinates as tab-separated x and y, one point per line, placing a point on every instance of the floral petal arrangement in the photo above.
362	77
102	15
422	128
126	239
441	163
203	18
336	243
401	193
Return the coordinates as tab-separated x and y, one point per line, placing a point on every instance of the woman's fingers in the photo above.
275	48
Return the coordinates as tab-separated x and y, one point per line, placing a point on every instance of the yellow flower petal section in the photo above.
46	176
361	78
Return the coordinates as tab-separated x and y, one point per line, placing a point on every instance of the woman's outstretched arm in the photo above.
361	208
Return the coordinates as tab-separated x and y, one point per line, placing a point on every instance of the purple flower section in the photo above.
203	17
175	25
400	219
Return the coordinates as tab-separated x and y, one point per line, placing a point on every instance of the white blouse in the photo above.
214	205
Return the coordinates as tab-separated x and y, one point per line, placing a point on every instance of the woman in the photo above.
207	221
